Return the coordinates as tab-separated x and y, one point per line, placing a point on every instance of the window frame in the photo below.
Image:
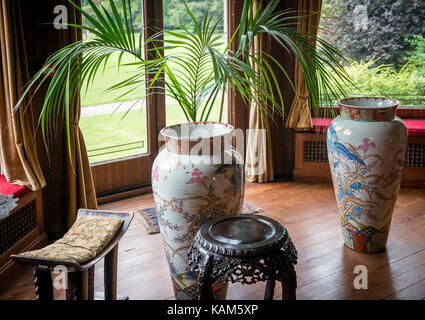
132	175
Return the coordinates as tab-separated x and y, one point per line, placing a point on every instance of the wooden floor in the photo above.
325	266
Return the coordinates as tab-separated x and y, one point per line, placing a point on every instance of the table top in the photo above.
242	235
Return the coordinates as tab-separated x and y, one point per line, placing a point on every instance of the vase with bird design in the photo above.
197	176
366	150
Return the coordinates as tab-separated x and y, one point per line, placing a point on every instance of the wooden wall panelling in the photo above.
25	223
132	170
310	164
283	138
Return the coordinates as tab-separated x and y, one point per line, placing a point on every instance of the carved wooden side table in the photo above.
247	249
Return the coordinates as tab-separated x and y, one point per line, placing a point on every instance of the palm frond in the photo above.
323	72
199	70
189	74
79	62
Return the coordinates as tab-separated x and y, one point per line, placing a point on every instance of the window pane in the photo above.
386	57
114	123
174	13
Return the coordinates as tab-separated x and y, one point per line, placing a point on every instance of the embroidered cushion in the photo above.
83	242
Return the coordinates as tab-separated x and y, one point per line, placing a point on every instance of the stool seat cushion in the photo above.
83	242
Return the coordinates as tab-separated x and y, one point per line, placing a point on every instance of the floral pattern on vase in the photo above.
192	187
366	150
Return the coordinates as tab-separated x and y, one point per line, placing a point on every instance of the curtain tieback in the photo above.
74	123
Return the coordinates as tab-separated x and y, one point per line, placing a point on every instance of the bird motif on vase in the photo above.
339	149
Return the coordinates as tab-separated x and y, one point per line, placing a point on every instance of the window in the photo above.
114	125
120	130
174	13
384	44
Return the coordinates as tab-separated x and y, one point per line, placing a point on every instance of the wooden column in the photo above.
238	113
155	104
282	138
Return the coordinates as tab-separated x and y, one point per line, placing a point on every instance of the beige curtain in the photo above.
80	186
299	117
18	152
259	160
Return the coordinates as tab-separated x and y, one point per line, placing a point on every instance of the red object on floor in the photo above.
7	188
416	128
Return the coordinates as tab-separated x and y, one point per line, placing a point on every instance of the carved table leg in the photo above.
288	292
205	289
110	277
77	285
269	290
289	285
43	285
205	283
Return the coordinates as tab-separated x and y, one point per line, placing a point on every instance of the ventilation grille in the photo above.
315	151
16	226
415	155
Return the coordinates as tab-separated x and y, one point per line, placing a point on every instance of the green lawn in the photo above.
113	130
106	130
110	75
105	78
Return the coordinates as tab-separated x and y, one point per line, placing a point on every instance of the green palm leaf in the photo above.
199	71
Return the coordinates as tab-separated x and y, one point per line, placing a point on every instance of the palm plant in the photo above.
200	71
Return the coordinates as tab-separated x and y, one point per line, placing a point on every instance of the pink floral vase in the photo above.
198	176
366	150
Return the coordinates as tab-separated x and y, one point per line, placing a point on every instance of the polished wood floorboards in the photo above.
325	266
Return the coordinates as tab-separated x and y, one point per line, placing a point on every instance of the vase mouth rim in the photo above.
369	102
194	131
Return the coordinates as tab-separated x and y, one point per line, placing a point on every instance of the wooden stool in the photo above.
80	277
246	249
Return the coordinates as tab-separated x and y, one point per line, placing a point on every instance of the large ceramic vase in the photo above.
198	176
366	150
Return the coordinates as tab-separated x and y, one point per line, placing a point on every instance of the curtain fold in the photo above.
299	117
259	157
79	180
18	151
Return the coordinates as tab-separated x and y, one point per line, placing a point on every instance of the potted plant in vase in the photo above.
199	175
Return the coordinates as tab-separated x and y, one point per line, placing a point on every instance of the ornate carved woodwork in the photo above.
43	284
245	249
22	229
311	162
80	277
315	151
17	225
